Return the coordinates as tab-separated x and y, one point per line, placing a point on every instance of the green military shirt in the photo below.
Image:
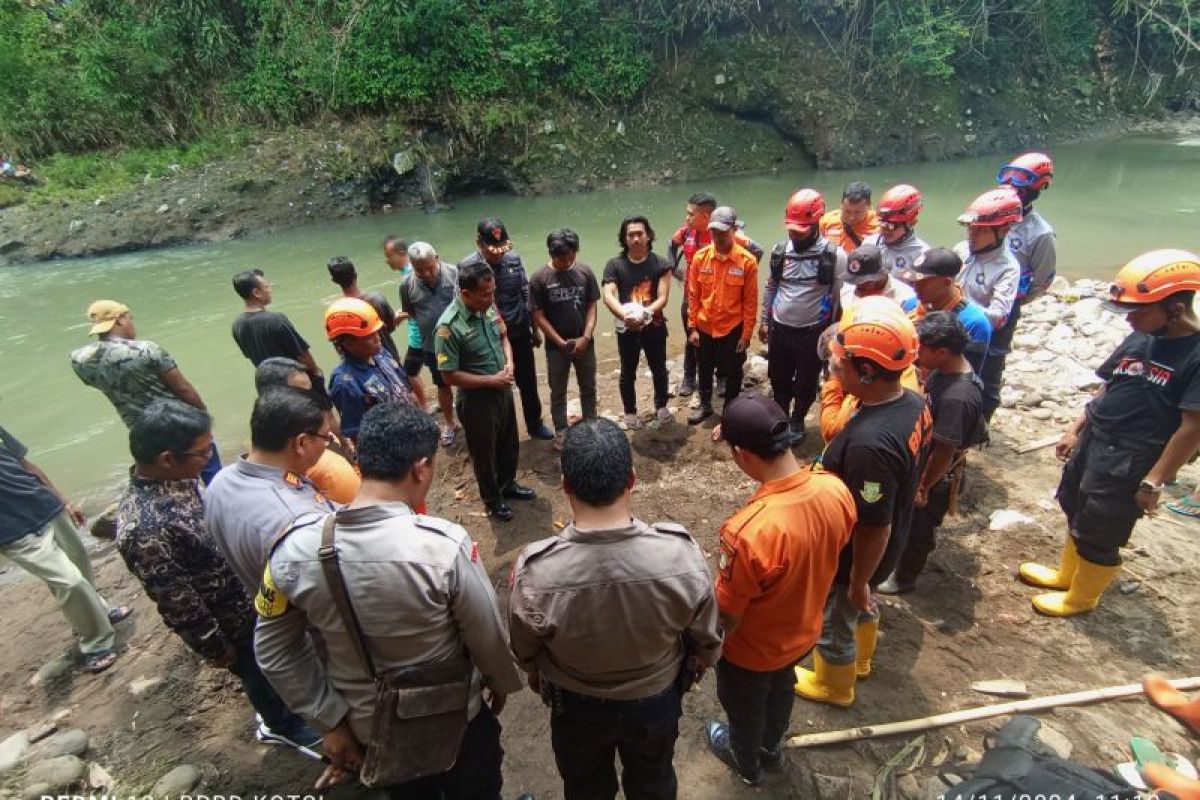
469	341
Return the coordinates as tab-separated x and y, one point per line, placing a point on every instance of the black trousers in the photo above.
720	354
794	367
758	706
274	712
525	376
490	424
651	340
992	374
1098	492
588	733
475	774
689	350
922	533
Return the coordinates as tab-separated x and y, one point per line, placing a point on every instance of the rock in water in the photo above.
59	772
11	750
180	780
68	743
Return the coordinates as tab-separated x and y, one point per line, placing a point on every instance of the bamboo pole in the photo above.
980	712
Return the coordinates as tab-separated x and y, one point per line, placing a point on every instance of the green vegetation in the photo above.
154	78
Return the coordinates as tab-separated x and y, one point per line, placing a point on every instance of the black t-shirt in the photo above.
388	316
956	402
637	282
879	455
1148	382
564	297
266	334
26	504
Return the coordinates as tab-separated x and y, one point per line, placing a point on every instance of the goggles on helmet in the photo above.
1017	176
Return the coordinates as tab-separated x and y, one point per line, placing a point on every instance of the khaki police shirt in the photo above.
420	593
612	613
470	341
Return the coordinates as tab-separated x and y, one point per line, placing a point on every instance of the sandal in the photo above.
1185	506
98	662
447	437
119	613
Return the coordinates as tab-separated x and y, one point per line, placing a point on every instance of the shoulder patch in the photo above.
443	526
871	491
539	548
269	602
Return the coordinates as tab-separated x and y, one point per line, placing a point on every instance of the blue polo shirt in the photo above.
356	386
26	504
973	318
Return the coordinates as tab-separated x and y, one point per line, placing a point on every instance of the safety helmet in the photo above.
1152	277
349	316
880	332
994	208
1027	171
804	209
900	204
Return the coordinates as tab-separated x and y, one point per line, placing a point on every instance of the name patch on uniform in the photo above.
871	491
442	358
737	272
269	602
443	333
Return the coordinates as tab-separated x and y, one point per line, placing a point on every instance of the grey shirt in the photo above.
612	613
420	594
990	279
795	298
900	255
426	303
1032	242
248	505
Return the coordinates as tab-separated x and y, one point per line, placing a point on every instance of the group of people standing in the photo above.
311	567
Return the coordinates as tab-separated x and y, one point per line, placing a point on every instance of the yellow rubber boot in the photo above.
827	683
865	637
1090	582
1046	578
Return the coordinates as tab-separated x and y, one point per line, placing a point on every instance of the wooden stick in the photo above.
1038	444
981	712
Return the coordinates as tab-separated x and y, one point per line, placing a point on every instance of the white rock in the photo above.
1055	740
1059	286
756	369
180	780
1004	519
11	751
1086	310
1041	413
164	208
68	743
141	685
59	772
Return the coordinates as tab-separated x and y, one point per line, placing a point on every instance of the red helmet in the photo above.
1027	171
900	204
804	209
994	208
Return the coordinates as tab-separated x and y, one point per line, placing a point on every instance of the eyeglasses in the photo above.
206	453
328	437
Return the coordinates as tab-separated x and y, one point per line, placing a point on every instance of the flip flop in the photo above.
1185	506
119	613
98	662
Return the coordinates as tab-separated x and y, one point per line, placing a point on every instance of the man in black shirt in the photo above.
955	396
564	309
879	455
513	303
636	286
1142	426
343	273
263	334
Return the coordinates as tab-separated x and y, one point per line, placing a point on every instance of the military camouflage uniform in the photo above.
128	371
161	536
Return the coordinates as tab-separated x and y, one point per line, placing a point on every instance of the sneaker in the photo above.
700	414
663	415
796	428
540	431
303	736
686	387
717	734
632	423
893	585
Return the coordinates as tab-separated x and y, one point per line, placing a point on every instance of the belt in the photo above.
608	701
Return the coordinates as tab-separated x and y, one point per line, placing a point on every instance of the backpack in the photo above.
826	263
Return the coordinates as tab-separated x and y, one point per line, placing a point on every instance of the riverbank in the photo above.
250	183
970	620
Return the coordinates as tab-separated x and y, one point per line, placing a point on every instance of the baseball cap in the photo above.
492	232
936	263
103	314
723	218
755	422
865	265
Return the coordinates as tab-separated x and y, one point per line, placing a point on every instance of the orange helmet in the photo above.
804	209
1152	277
349	316
900	204
880	332
994	208
1027	171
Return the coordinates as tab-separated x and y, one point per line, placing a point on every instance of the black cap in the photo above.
492	232
865	265
755	422
936	263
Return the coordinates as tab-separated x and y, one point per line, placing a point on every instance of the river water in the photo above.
1111	200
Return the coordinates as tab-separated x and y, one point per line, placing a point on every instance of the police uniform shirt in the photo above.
470	341
247	505
1032	243
898	256
420	593
1149	381
607	613
990	279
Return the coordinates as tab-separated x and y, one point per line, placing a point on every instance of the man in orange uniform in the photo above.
851	224
779	556
722	294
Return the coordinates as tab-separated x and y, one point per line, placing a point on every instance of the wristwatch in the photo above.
1151	488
